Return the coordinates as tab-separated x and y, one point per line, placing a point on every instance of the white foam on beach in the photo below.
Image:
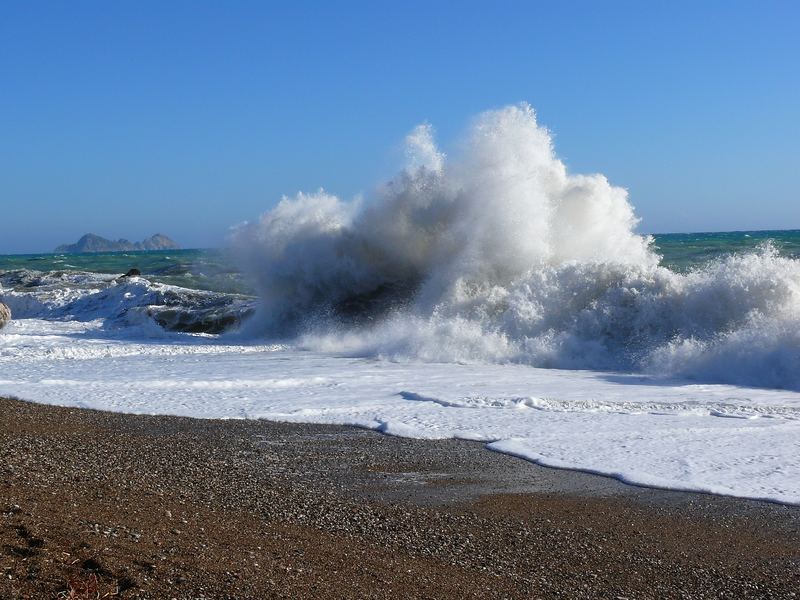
673	434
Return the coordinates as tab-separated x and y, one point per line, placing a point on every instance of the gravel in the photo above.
98	503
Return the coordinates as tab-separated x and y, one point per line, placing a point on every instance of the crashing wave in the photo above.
499	254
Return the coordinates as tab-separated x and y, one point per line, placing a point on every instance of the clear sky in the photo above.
127	118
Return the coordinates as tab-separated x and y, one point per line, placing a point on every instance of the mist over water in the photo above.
498	254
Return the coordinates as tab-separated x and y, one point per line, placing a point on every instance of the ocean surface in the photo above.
489	296
217	270
210	269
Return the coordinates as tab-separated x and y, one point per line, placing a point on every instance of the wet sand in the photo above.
95	503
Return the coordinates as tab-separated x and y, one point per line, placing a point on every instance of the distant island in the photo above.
95	243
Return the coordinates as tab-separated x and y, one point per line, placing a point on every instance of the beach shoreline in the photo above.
158	506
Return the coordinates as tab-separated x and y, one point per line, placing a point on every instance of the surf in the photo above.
497	253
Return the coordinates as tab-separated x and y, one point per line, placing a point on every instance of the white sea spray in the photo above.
496	253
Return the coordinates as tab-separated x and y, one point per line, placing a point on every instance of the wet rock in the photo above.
5	315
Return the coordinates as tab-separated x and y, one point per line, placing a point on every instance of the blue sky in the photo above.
127	118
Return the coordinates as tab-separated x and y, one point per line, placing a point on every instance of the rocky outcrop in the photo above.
94	243
5	315
157	242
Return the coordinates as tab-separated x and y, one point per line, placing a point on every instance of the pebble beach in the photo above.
115	505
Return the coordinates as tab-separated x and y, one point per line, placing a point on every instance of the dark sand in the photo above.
165	507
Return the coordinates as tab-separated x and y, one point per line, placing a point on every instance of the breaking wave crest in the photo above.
499	254
121	303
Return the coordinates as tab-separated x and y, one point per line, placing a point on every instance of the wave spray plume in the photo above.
499	254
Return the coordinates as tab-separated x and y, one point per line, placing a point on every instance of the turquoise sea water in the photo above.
684	251
208	269
215	270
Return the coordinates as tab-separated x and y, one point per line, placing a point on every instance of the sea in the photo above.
216	270
489	296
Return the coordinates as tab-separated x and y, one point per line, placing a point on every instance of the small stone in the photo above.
5	315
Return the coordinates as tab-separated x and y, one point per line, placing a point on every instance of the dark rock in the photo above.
133	273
